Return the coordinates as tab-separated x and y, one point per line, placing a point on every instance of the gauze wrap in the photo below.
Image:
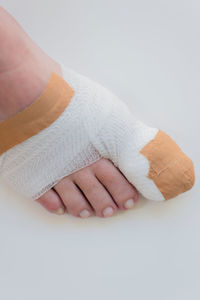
97	124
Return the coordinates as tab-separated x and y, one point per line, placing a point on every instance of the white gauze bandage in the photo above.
95	124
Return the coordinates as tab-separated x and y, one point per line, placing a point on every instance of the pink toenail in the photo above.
60	211
85	213
108	211
129	204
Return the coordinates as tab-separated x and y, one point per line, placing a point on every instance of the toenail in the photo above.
108	211
85	213
60	211
129	204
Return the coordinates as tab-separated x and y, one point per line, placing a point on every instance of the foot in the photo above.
99	188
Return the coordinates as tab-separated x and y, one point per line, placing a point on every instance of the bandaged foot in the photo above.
76	122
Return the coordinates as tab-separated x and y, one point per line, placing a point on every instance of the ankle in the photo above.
24	68
22	85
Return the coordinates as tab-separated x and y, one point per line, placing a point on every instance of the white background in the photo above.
148	53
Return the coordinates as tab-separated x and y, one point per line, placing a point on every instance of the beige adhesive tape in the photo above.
170	169
38	116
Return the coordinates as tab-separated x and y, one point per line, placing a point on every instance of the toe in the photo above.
52	202
95	192
73	199
124	194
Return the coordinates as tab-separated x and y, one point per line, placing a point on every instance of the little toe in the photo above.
73	199
52	202
122	191
95	192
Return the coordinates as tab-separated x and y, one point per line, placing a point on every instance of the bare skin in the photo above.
98	189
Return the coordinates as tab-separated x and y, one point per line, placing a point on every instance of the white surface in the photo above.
147	52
